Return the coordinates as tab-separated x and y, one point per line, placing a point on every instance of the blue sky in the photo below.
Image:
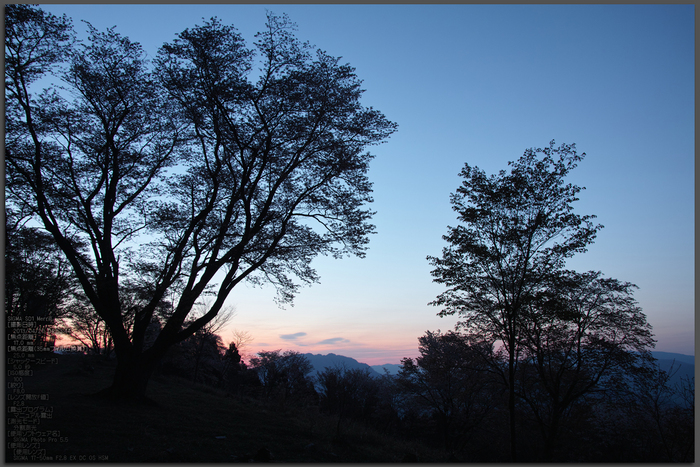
480	84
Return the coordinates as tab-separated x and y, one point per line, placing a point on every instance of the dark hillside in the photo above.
191	424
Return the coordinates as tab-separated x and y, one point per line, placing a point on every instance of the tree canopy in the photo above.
516	231
215	164
584	339
450	377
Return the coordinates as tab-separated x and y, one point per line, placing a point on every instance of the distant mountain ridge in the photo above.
685	364
392	368
321	362
678	357
681	367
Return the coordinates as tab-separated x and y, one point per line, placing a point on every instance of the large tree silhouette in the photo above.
218	164
516	228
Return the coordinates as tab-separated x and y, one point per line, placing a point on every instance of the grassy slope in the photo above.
188	422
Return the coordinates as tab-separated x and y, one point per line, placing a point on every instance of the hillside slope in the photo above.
192	423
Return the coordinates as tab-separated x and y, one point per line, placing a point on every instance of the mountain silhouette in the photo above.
680	366
674	356
321	362
392	368
683	365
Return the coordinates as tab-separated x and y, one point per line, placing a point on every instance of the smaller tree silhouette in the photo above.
82	324
284	376
583	339
232	366
38	281
351	394
450	381
206	346
668	412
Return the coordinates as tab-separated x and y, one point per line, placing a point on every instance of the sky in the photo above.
479	84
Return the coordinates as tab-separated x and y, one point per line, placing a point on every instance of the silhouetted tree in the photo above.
193	171
205	345
80	323
241	339
38	280
516	229
583	339
205	349
348	393
667	414
649	424
452	380
232	367
284	375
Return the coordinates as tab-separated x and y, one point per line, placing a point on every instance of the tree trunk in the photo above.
511	401
131	378
445	425
551	440
198	357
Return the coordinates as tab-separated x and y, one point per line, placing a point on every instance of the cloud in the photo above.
334	340
291	337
